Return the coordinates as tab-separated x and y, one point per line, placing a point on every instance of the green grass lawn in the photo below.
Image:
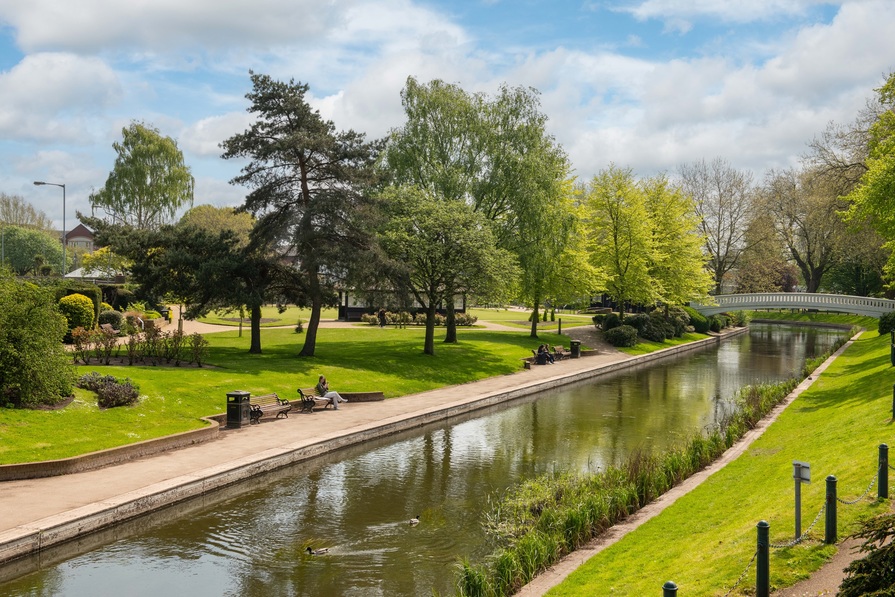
705	540
870	323
647	346
354	360
270	317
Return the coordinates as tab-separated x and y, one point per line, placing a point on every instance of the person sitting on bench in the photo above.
544	355
332	396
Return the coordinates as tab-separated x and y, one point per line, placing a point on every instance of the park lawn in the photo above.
871	323
174	398
706	539
647	346
270	317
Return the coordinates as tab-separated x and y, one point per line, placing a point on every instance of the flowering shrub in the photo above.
110	392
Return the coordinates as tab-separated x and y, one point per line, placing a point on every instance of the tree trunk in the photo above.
429	346
535	317
255	346
450	336
316	305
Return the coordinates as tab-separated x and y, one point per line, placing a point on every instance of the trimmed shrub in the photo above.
717	323
78	310
638	321
887	323
679	320
612	320
656	328
623	335
113	318
699	321
739	319
465	319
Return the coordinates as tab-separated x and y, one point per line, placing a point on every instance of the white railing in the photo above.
860	305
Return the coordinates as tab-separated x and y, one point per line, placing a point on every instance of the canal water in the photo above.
252	539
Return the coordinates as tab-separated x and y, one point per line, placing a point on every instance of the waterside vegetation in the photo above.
547	517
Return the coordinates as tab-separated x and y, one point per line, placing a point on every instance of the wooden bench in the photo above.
267	404
559	353
310	399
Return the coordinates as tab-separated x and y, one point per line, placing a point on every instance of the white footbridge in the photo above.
841	303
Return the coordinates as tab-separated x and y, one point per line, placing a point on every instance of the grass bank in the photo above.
706	539
173	399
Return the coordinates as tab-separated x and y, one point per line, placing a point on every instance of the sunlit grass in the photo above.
644	346
705	540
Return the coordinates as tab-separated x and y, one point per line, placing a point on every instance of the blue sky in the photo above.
646	84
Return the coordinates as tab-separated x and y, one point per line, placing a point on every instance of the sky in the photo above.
645	84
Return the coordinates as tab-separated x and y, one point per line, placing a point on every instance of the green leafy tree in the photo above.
493	153
28	250
204	270
310	189
34	366
622	241
438	248
763	266
105	261
871	199
150	181
678	264
214	219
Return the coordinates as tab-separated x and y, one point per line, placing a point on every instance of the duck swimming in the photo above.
415	520
318	552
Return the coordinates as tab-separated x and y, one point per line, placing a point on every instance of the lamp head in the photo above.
39	183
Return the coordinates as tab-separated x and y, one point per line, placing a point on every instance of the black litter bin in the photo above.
237	409
576	348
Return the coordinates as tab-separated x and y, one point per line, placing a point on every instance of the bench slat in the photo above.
310	399
267	404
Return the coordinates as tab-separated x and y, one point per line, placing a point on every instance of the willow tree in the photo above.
493	153
149	182
309	189
617	220
677	264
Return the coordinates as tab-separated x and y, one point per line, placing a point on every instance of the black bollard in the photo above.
762	561
669	589
830	526
883	480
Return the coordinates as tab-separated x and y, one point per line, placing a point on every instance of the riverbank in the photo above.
705	539
71	506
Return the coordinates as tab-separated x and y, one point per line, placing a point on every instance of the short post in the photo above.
830	526
762	561
559	331
669	589
883	479
893	401
801	472
892	348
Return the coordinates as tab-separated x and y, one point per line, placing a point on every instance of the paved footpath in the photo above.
68	505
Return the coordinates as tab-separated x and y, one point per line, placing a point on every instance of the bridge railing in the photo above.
860	305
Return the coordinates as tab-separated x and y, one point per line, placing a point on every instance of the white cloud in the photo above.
52	96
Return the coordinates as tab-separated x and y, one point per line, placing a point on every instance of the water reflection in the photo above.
251	539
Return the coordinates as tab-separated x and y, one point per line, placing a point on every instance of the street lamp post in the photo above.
64	239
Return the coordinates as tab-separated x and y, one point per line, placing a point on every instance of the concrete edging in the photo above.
31	539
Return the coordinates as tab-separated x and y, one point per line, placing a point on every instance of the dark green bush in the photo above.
656	328
638	321
113	318
598	319
717	323
612	320
623	335
699	321
679	320
887	323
